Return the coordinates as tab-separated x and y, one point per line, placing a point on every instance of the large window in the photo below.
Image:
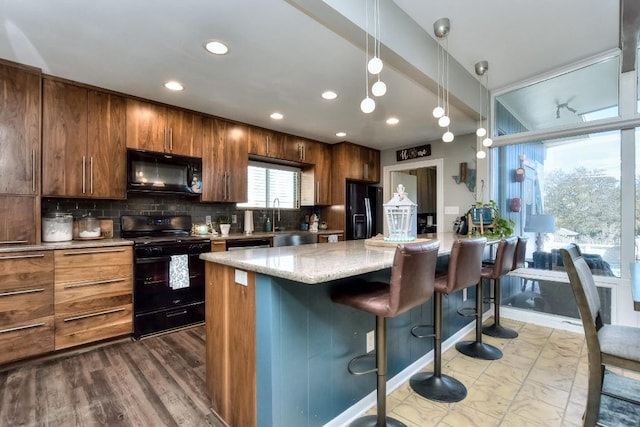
271	185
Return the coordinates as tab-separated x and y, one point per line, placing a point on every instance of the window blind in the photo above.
267	182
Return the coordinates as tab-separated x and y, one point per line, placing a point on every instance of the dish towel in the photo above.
179	271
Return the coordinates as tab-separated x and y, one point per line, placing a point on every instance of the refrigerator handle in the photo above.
367	210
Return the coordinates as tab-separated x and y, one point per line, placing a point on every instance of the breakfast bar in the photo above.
278	348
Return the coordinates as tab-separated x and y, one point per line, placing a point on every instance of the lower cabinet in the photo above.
93	295
26	304
324	238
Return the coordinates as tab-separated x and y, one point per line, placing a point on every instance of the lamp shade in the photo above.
541	224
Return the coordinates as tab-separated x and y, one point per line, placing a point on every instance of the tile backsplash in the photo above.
140	205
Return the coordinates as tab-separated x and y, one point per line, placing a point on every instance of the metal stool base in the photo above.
479	350
372	421
442	388
499	331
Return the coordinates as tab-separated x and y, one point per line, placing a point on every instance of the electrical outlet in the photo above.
464	294
371	339
207	219
234	219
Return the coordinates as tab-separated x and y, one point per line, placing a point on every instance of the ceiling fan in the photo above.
564	105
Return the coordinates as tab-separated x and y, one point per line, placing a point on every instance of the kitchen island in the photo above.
278	348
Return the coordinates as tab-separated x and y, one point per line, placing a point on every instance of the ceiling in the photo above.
284	53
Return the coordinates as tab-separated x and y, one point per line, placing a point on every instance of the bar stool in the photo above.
465	264
411	284
504	263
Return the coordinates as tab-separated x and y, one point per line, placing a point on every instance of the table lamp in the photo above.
540	224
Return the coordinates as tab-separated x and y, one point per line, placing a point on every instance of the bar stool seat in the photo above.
465	263
411	284
505	262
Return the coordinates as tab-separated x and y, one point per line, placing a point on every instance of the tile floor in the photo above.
541	380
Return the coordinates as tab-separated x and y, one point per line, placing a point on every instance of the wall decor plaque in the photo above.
413	153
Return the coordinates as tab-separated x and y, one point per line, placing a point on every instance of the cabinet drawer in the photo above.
95	264
26	286
26	339
92	295
90	327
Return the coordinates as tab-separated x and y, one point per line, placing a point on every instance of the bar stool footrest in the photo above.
499	331
479	350
356	359
467	311
415	334
441	388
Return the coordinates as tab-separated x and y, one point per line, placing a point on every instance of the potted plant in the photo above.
495	225
225	224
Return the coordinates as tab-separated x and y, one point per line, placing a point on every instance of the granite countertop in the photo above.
72	244
266	235
320	262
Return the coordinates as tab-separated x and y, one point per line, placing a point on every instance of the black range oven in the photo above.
169	284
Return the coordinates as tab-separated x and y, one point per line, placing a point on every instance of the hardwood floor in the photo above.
159	381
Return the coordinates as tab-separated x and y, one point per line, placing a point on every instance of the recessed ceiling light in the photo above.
392	121
173	85
341	134
277	116
216	47
329	95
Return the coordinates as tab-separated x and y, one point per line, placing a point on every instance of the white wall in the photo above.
461	149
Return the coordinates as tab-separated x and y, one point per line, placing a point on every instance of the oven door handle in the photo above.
153	259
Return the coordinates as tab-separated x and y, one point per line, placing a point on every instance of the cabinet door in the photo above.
106	149
237	161
18	220
322	161
64	139
146	126
19	130
213	162
185	133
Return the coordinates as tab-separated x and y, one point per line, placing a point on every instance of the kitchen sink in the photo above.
294	239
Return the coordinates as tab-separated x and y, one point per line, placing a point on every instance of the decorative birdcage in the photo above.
400	213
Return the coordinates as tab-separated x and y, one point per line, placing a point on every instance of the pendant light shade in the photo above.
444	121
447	136
375	65
368	105
438	111
481	154
379	88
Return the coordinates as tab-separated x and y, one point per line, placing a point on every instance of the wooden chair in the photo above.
612	345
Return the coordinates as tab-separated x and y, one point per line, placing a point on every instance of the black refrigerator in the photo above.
363	206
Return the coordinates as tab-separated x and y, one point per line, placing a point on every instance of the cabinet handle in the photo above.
91	174
86	316
268	139
20	328
13	242
317	191
99	251
22	256
171	140
84	170
33	170
365	170
228	186
26	291
98	282
164	139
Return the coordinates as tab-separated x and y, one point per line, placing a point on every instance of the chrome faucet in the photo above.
273	213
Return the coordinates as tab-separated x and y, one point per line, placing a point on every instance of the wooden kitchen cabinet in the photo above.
93	295
19	220
316	179
267	143
154	127
352	161
225	161
19	129
84	152
26	304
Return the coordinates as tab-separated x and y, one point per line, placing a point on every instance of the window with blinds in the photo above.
267	182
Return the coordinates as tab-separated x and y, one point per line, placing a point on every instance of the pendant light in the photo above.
368	105
442	112
482	68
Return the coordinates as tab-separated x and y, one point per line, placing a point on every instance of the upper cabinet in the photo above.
83	140
316	178
19	130
158	128
352	161
266	143
225	161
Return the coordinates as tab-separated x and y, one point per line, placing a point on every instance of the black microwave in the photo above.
162	173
